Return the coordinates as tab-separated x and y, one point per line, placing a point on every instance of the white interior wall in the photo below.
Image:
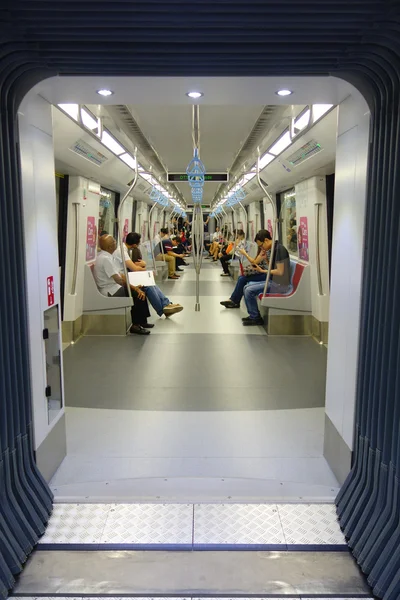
85	195
309	193
41	244
347	259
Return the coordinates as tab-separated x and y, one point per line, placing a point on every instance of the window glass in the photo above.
289	221
107	212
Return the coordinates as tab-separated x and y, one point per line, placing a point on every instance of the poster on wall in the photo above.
50	291
302	239
126	229
91	238
269	226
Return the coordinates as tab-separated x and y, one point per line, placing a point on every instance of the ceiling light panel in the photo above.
129	160
88	121
105	92
284	93
70	109
265	160
302	121
281	144
319	110
111	143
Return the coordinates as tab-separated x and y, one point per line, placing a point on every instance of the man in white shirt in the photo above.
111	283
157	299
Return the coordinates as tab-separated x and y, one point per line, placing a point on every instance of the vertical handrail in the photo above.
246	221
197	248
120	238
151	237
274	227
317	247
76	252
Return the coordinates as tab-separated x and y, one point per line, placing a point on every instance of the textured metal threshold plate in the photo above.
119	573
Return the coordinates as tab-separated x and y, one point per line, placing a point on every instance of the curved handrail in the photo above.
120	239
274	227
151	237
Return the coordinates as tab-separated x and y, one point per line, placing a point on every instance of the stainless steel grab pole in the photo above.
317	248
76	252
151	238
120	238
274	227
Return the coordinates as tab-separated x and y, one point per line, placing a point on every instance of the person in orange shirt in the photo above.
226	256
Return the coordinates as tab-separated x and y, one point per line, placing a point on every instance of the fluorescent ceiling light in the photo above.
265	160
284	92
88	120
111	143
194	95
71	110
105	92
129	160
249	176
303	121
281	144
319	110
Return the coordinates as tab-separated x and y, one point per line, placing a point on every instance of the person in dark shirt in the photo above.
279	281
164	251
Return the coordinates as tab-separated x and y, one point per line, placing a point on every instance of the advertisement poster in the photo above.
269	226
91	239
302	239
126	227
50	291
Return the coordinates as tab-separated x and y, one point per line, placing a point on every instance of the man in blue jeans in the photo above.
253	276
279	281
157	299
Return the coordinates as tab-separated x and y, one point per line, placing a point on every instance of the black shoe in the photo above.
246	319
229	304
148	325
253	322
179	270
185	264
139	330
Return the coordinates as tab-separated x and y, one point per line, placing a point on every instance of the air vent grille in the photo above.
87	151
304	153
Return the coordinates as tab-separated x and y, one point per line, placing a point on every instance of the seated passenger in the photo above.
159	302
214	246
279	281
164	251
225	256
111	283
180	252
252	274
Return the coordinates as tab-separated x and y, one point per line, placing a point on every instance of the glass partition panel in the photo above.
289	222
53	363
107	212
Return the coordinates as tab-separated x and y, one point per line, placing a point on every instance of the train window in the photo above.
289	221
107	212
53	362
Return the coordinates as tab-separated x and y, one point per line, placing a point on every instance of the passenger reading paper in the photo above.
161	304
110	282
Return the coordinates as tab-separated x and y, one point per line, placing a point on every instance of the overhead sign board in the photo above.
177	177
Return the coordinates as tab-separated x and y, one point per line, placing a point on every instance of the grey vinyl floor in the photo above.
202	408
195	372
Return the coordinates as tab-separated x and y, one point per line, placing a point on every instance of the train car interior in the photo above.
202	405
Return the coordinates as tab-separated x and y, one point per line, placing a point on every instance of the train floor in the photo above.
202	409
